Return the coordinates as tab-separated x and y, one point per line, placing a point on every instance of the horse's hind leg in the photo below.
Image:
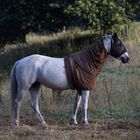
34	89
16	106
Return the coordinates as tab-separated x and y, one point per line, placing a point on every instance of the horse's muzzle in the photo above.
124	58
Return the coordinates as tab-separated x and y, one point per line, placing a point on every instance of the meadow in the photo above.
114	108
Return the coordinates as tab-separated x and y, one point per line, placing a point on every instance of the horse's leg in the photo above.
76	106
34	89
85	97
17	104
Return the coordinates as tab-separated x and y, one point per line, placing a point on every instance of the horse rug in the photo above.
83	67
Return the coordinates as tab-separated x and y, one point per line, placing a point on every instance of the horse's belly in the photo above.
53	75
55	82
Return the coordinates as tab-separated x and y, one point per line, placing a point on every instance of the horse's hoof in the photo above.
74	122
15	124
85	123
44	125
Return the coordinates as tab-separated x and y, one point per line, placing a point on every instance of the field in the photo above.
98	130
114	108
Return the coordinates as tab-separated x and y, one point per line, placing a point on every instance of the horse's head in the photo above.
115	47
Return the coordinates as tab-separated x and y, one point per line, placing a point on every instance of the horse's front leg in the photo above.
75	109
85	97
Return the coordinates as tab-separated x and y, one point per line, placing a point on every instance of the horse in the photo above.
30	72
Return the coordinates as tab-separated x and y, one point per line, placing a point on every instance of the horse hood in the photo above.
83	67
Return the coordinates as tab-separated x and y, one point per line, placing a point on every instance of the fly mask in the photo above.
116	48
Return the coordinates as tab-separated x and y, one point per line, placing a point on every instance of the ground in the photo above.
108	129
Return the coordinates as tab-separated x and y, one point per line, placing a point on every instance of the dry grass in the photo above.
116	97
134	32
33	38
98	130
121	102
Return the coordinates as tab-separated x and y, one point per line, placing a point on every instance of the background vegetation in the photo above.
58	28
117	94
19	17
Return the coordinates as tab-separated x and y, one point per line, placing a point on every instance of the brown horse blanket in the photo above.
83	67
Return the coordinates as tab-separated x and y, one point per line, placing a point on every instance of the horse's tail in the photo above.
13	88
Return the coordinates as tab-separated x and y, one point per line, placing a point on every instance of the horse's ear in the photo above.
115	35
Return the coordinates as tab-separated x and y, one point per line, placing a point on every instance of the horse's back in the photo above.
38	68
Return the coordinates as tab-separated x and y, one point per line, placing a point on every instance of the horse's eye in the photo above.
119	44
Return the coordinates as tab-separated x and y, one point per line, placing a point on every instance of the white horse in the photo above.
32	71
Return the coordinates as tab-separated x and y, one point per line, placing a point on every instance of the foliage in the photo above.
19	17
133	8
102	15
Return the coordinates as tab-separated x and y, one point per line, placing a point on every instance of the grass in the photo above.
134	32
123	86
116	97
33	38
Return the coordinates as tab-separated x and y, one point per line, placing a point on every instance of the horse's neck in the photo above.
93	56
97	54
97	51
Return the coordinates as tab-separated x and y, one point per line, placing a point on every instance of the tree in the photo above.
100	15
18	17
134	6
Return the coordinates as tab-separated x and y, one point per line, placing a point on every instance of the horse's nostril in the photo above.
125	59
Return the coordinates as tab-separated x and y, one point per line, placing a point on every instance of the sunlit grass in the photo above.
134	32
33	38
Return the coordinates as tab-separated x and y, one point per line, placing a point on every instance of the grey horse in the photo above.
32	71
